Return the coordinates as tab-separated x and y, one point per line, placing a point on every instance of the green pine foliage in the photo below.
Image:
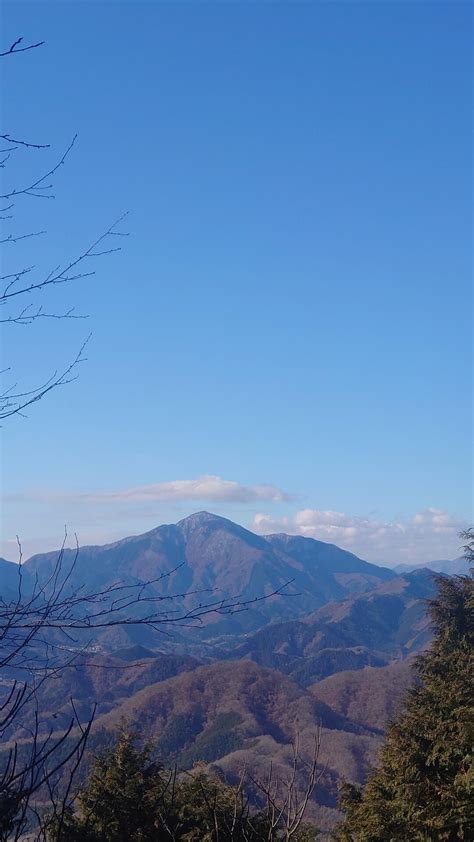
423	788
129	797
118	801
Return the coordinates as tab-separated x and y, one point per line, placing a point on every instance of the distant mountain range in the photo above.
451	567
336	649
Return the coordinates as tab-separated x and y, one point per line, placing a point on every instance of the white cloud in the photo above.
206	488
429	535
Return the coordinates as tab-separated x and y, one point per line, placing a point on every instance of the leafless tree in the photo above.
24	620
231	811
286	799
23	285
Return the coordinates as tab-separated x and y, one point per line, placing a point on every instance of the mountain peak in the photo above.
200	520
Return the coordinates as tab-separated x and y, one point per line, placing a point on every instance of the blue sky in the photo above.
291	312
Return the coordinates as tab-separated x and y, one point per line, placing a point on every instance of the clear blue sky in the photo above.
293	304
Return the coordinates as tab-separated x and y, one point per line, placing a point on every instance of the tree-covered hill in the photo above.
370	696
235	715
371	629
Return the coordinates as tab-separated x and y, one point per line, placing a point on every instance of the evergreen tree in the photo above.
129	797
118	803
423	788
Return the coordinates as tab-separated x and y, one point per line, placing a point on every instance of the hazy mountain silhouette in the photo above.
451	567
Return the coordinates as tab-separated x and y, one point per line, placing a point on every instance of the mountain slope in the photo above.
207	558
96	681
370	696
9	579
369	629
338	572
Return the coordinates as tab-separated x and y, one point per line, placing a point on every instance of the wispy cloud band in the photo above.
207	488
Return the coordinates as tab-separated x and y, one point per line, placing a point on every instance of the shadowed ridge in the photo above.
310	551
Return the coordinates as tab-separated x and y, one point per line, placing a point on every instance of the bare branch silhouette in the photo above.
20	288
18	47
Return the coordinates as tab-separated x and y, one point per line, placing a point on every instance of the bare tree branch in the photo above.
28	282
8	139
17	48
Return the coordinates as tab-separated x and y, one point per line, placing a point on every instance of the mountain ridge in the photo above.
207	557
